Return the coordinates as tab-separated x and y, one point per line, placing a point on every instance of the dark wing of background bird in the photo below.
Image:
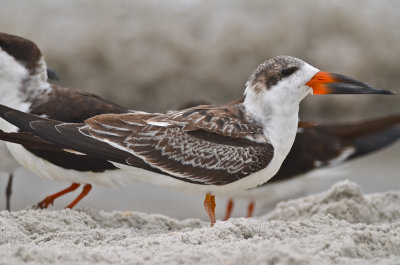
320	145
73	106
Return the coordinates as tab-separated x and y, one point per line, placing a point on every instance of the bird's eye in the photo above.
288	71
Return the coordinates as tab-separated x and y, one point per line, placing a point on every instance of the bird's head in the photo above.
288	79
22	65
19	55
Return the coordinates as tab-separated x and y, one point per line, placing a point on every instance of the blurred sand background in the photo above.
155	55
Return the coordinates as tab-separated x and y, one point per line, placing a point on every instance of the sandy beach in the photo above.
341	225
156	55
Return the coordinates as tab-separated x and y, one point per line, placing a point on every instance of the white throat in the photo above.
36	84
278	118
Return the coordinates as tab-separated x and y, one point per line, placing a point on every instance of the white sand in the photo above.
341	225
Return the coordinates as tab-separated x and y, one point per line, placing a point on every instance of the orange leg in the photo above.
229	208
85	191
50	199
209	205
250	209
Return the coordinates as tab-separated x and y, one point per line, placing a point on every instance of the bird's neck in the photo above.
36	84
278	117
19	88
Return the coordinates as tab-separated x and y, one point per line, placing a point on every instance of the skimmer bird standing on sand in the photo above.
24	86
316	146
207	149
8	164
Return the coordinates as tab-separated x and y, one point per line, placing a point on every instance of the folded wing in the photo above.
195	147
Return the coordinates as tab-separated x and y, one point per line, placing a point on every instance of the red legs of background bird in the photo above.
209	205
9	191
250	209
50	199
229	208
85	191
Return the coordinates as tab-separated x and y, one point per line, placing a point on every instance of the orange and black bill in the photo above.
324	83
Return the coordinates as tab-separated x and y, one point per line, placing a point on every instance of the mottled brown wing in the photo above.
198	156
228	120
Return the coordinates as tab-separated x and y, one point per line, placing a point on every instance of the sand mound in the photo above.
344	201
341	225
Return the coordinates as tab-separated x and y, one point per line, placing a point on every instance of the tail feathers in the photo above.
75	137
57	155
374	141
65	135
358	129
26	139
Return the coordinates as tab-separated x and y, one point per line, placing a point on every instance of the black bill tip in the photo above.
351	88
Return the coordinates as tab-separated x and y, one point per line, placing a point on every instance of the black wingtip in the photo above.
375	141
3	110
392	93
385	92
20	119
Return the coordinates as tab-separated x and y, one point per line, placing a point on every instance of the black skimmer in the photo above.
206	149
8	164
24	86
321	145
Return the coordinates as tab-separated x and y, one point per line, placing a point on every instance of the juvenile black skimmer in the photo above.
208	149
24	86
317	146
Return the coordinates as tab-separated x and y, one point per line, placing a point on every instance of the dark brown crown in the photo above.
273	70
24	51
